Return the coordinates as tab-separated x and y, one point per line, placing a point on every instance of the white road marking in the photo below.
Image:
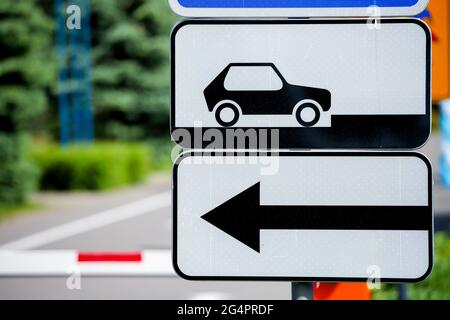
155	263
93	222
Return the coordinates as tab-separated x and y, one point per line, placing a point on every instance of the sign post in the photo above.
302	291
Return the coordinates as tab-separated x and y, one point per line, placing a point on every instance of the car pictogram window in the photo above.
252	78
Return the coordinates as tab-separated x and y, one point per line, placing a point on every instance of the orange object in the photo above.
439	23
341	291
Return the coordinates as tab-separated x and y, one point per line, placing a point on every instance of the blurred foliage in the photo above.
436	287
130	58
99	166
17	174
27	76
9	211
131	68
435	119
161	150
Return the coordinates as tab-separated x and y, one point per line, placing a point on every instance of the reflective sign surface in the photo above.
307	84
307	216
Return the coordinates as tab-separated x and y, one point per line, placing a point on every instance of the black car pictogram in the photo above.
286	99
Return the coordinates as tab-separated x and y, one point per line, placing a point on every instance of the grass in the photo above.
94	167
7	212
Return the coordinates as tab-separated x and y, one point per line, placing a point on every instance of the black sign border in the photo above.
188	154
287	136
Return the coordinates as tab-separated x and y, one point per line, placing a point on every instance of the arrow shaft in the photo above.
344	218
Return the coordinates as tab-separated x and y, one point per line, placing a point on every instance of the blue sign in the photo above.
251	8
295	3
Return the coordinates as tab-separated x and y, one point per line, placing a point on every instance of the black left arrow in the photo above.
243	217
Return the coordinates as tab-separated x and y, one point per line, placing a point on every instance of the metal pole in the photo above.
302	291
402	292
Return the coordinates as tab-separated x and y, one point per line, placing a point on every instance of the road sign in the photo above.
303	216
438	18
296	8
318	83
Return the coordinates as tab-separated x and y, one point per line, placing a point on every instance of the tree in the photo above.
27	74
130	41
130	68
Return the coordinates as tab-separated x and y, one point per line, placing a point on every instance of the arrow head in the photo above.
238	217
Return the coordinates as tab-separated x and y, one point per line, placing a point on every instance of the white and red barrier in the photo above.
155	263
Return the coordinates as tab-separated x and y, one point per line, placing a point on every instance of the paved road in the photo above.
148	231
143	231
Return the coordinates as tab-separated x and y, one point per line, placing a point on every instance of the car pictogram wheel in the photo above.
227	113
307	113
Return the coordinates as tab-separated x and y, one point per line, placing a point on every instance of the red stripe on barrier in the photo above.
109	257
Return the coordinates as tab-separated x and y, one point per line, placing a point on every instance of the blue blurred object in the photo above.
444	162
294	3
73	48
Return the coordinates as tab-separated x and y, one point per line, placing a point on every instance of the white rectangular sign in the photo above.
322	84
297	8
303	216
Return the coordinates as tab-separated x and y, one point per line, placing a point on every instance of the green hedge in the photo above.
99	166
17	173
